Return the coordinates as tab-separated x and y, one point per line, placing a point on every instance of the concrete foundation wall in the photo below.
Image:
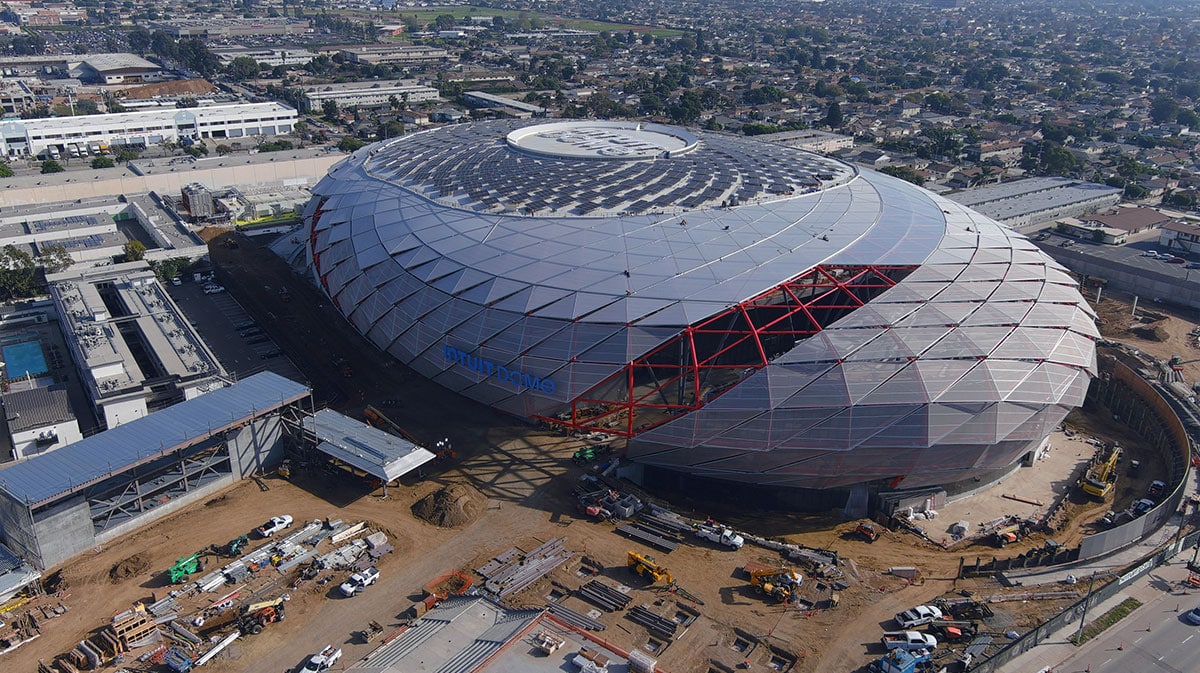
257	446
64	531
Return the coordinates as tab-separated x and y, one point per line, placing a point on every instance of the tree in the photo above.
55	258
330	109
833	118
139	40
134	251
52	166
6	171
350	144
103	162
904	173
243	68
1163	109
17	272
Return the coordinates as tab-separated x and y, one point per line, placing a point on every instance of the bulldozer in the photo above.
646	567
780	583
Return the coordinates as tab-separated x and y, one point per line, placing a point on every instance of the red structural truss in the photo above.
709	358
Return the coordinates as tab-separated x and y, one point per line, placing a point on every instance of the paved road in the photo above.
1156	638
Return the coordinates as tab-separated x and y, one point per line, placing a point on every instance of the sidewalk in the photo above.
1156	587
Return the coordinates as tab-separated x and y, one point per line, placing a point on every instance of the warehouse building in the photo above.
369	94
1035	201
91	134
59	504
732	310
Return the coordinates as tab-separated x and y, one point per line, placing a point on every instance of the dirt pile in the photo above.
128	567
451	506
1151	333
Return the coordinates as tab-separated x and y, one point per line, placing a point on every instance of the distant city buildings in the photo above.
232	27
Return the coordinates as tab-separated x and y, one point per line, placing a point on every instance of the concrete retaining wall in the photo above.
64	531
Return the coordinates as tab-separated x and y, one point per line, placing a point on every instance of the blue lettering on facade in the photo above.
518	379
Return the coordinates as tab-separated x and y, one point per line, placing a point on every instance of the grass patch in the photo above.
1106	620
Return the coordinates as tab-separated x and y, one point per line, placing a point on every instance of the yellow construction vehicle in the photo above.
1101	477
646	567
780	583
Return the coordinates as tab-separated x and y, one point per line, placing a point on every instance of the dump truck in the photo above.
908	640
782	584
1101	477
721	535
647	567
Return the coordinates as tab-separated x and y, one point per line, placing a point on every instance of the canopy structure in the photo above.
378	453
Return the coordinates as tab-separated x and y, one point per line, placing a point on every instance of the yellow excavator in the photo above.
1101	477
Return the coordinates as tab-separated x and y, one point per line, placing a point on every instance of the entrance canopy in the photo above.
378	453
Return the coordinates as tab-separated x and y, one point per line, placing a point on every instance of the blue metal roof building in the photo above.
59	503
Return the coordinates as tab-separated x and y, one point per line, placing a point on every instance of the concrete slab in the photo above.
1046	482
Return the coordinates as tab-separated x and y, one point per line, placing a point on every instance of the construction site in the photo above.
396	511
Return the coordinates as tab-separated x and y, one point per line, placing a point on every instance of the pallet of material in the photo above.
498	561
657	541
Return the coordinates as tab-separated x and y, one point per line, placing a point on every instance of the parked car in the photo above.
177	281
1192	265
1176	260
1149	253
359	581
1193	615
323	660
213	289
274	525
1142	506
1156	489
922	614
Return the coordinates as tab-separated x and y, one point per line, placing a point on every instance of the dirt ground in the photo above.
527	478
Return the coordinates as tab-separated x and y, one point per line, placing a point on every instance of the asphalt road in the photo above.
1155	639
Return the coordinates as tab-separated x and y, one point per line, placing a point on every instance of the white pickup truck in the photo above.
908	640
721	535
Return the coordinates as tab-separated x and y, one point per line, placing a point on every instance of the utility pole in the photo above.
1087	601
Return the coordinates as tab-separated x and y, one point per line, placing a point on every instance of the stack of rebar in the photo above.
604	596
648	537
574	618
657	625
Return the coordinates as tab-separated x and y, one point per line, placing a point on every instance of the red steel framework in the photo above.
708	359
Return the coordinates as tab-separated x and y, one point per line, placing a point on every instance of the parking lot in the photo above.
1133	253
235	338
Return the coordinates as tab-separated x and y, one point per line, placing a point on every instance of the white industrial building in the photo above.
95	133
134	350
369	94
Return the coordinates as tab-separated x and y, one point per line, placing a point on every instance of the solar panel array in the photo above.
471	166
567	269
